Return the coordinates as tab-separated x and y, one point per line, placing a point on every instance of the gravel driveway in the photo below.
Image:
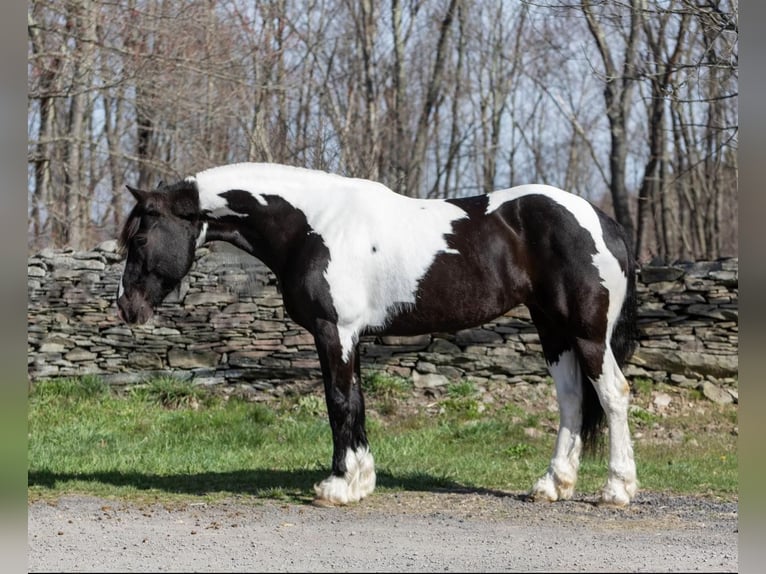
412	531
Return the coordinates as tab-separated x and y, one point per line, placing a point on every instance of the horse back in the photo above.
535	245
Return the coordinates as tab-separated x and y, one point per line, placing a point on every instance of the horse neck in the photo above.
269	235
265	209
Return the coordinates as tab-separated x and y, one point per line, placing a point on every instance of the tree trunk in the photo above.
618	90
77	199
418	157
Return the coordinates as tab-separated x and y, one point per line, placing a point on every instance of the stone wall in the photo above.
227	325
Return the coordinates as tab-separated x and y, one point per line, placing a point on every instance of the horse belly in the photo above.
457	295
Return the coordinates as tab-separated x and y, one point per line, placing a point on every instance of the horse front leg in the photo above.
353	467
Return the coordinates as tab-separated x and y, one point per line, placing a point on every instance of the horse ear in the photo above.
139	195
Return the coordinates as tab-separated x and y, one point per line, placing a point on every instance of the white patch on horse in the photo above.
559	481
352	216
355	484
612	276
202	235
214	204
614	394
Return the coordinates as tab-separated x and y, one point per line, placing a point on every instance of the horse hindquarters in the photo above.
353	468
590	388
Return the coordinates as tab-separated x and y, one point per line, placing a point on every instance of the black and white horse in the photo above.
353	258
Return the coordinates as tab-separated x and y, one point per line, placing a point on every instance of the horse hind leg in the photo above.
614	395
558	483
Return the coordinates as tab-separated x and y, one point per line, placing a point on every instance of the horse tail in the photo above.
623	343
625	334
592	418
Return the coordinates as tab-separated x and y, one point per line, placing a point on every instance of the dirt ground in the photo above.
407	532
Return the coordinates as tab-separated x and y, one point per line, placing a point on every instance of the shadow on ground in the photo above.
265	483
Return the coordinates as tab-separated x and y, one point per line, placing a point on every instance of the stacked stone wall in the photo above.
227	325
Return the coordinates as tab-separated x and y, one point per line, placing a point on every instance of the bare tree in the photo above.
432	95
619	82
434	99
661	64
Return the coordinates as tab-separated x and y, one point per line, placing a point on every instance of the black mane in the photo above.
129	228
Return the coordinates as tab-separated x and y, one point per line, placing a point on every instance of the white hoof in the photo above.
618	493
552	487
357	482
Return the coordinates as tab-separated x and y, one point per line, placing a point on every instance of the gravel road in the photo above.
402	532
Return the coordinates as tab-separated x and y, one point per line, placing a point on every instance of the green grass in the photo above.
169	439
386	390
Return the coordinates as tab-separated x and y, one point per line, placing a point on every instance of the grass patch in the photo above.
172	393
168	439
69	390
386	390
461	389
642	386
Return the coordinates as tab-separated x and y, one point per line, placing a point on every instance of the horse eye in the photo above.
140	240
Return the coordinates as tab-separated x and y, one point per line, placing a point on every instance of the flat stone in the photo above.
141	360
413	341
477	336
120	331
247	358
702	268
657	274
450	372
662	400
165	331
78	355
45	370
726	278
428	380
439	345
305	339
269	326
62	274
706	311
686	363
110	246
52	348
241	307
715	393
425	367
212	298
654	310
183	359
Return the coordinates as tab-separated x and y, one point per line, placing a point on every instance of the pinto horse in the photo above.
354	258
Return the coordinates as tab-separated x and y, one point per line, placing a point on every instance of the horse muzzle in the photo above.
133	311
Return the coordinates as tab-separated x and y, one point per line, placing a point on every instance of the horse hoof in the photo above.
611	499
544	490
618	492
540	495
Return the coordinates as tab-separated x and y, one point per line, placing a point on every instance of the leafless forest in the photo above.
632	104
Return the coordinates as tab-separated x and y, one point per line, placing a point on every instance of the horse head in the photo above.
159	238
